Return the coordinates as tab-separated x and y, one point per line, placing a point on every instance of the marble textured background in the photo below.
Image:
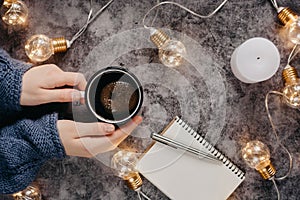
207	95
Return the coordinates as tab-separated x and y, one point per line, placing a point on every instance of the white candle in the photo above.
256	60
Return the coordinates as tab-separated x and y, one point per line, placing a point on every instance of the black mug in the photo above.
114	95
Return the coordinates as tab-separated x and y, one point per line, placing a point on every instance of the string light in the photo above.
291	97
14	12
29	193
40	48
290	77
291	90
257	155
124	162
290	20
276	135
171	52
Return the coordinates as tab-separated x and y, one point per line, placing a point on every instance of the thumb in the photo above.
123	132
130	126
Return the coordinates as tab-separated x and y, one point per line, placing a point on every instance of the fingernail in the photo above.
109	128
139	119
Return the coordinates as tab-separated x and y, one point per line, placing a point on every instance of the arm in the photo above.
21	86
27	144
24	147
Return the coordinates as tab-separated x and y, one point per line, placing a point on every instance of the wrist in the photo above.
57	143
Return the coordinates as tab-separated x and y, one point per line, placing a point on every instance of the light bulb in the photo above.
124	163
170	52
294	31
40	48
291	21
14	12
292	87
29	193
257	155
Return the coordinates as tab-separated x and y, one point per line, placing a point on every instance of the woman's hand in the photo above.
43	84
90	139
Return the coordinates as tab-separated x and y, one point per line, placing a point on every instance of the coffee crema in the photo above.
119	97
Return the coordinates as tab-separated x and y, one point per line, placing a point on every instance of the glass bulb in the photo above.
29	193
293	31
292	94
171	53
124	163
292	86
14	13
291	22
39	48
256	154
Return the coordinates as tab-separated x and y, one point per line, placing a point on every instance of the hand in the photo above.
41	85
90	139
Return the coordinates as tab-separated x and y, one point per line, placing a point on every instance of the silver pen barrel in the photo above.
179	145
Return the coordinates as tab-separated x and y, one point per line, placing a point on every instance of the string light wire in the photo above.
293	54
276	187
139	195
276	135
274	3
139	192
89	20
184	8
156	14
290	58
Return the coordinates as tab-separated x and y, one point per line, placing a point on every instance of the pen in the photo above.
178	145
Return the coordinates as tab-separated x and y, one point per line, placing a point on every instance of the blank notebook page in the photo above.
184	176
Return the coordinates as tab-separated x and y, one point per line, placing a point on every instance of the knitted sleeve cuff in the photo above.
44	136
24	148
56	149
11	73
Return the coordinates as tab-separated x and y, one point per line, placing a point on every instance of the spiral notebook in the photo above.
181	175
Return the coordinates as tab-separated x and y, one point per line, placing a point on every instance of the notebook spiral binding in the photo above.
211	149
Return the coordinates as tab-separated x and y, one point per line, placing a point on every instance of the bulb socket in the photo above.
134	181
159	38
290	75
286	15
267	172
59	45
31	192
